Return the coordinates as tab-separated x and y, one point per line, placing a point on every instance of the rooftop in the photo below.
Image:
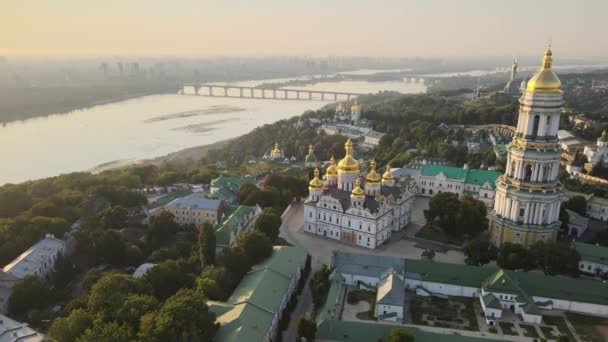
472	176
13	331
577	219
588	252
197	200
391	290
142	270
367	264
232	183
327	311
233	223
35	257
351	331
247	314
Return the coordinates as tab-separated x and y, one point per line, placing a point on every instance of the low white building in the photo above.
38	260
594	259
195	209
372	138
524	293
597	208
390	298
13	331
480	184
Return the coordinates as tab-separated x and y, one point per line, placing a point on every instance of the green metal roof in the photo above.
599	200
480	177
391	291
233	224
577	219
569	194
231	183
533	284
475	177
358	331
490	301
247	314
327	311
593	253
454	173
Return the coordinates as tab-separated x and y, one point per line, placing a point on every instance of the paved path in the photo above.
303	308
321	248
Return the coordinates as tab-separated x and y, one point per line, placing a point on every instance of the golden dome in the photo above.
276	148
388	176
348	163
332	170
316	183
357	192
373	176
545	80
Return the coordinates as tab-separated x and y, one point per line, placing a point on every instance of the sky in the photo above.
399	28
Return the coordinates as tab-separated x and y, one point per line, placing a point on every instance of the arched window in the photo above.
548	128
528	173
535	126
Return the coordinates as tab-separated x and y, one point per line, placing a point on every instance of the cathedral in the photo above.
528	195
364	213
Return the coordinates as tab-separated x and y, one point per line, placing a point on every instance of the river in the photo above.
146	127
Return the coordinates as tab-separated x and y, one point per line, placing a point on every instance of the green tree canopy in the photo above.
513	256
269	223
29	293
184	317
67	329
480	252
113	218
400	335
306	328
109	293
167	278
255	246
206	244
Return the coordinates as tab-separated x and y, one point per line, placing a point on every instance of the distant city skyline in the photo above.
393	28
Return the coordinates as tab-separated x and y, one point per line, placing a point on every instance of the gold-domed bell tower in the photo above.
373	181
357	196
528	196
348	169
331	174
387	177
315	187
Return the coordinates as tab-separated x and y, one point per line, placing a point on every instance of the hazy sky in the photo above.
303	27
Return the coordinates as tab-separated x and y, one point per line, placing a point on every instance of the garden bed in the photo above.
507	328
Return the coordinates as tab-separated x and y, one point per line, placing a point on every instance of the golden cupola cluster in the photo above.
356	106
348	164
316	182
276	148
545	80
373	177
357	192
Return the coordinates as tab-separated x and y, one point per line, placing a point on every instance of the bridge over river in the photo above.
216	90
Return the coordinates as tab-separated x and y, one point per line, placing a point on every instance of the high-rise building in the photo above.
528	195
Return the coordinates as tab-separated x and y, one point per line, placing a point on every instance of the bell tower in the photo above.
528	195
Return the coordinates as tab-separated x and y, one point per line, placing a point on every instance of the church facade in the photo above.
528	196
342	207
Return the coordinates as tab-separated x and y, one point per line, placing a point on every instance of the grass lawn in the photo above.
585	326
530	330
507	328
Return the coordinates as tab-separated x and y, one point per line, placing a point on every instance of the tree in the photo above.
167	278
29	293
471	219
255	245
64	272
134	307
269	223
113	218
400	335
107	332
90	278
306	328
109	293
513	256
480	252
577	204
319	286
67	329
443	208
183	317
215	283
206	244
161	228
555	259
428	254
235	261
